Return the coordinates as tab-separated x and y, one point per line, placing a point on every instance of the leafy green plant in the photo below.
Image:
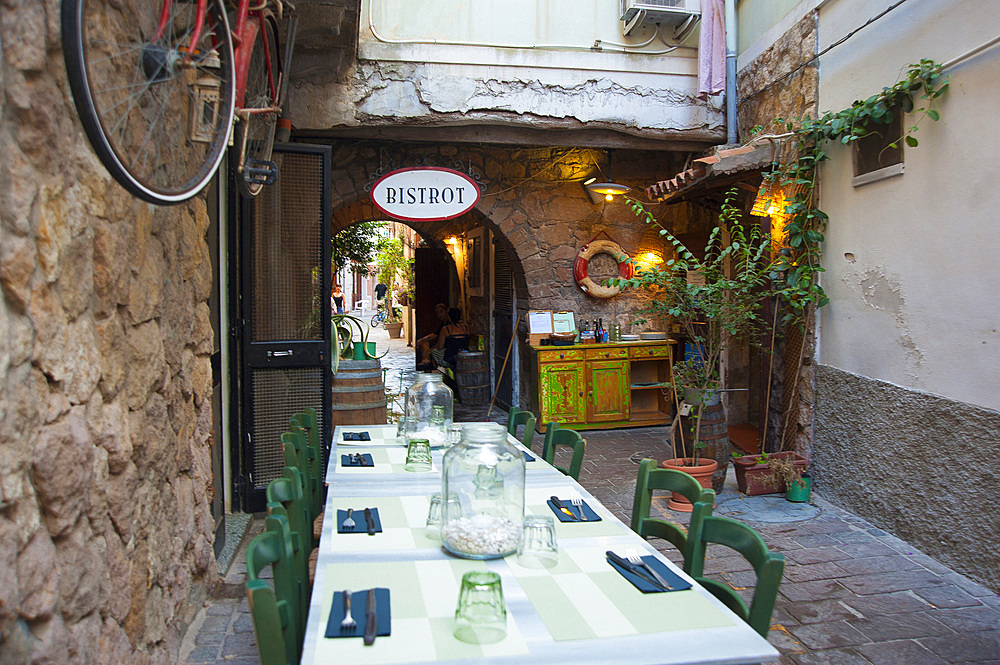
355	245
712	297
395	271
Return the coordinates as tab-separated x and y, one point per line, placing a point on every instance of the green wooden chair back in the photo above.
284	497
768	566
274	609
571	439
521	417
309	424
299	459
550	431
651	478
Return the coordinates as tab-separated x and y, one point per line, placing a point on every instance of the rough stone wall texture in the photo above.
105	385
534	199
916	464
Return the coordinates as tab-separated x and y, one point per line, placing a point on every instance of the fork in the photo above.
348	522
632	556
577	502
348	623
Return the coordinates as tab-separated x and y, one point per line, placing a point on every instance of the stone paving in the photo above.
851	594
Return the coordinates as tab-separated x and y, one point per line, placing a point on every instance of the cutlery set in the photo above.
576	502
348	523
634	564
348	624
359	460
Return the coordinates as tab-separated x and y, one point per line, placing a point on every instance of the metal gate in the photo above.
503	324
285	311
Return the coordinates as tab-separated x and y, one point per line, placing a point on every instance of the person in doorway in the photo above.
337	300
452	338
380	290
425	343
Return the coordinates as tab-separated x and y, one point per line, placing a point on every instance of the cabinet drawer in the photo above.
560	355
659	351
607	353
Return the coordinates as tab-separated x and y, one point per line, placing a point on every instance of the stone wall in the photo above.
105	385
918	465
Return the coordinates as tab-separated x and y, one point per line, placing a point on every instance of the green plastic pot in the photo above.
798	490
359	350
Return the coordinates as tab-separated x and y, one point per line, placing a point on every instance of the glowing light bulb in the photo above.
609	197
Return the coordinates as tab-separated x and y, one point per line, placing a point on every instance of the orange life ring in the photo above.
589	251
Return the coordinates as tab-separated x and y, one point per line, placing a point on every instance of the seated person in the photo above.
453	338
425	343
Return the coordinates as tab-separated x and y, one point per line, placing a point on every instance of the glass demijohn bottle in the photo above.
429	408
482	477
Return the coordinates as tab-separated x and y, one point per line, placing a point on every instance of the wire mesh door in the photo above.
285	303
503	322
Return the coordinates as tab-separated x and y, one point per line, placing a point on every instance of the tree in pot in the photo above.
716	299
394	270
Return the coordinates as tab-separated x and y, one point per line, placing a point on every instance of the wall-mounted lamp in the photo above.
603	190
451	240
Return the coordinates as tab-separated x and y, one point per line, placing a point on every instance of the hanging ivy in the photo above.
798	264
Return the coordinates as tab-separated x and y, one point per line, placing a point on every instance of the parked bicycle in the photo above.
161	86
381	316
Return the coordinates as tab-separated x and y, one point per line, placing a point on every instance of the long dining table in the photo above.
581	610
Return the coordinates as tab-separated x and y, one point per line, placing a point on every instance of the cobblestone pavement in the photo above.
852	594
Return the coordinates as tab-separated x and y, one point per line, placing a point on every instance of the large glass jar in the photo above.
482	477
429	405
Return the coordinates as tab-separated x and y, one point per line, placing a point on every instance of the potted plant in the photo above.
716	299
770	473
394	270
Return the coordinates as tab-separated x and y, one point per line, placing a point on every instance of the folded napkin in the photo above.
350	460
357	436
358	604
527	456
360	526
678	583
563	517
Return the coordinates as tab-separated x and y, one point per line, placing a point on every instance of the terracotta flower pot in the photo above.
702	473
751	473
395	329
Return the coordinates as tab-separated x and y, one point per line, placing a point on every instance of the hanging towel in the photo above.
711	49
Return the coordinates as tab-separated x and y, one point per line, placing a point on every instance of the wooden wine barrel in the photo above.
358	393
715	435
472	376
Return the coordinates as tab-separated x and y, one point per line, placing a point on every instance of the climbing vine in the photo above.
798	263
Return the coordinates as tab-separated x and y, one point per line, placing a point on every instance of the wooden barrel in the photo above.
358	393
472	376
715	435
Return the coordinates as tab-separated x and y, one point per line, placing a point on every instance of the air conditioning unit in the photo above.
664	12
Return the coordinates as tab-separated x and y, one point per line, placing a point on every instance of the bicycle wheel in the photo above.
157	109
257	129
375	321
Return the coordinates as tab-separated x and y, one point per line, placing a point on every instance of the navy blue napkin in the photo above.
563	517
527	456
678	583
358	603
350	460
360	526
357	436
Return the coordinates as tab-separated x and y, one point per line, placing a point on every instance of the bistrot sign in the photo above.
425	194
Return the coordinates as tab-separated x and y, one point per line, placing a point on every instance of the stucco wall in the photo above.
105	385
910	259
916	464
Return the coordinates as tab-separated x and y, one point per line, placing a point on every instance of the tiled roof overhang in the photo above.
724	168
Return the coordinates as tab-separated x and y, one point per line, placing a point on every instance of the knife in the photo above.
635	570
371	619
559	504
370	520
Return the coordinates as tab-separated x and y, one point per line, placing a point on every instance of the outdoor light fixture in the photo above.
764	203
596	190
451	240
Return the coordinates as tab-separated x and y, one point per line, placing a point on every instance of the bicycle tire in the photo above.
261	92
375	321
157	119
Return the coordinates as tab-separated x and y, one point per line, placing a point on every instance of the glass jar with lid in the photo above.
429	408
483	478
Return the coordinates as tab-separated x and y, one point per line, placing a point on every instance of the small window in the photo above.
875	157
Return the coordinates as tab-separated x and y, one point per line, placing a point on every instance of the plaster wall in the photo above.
908	259
521	66
105	385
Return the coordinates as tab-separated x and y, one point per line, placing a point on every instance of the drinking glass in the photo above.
538	548
435	513
481	616
454	434
418	455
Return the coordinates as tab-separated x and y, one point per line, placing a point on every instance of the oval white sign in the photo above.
425	194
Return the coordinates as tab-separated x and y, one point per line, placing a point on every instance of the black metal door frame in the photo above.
280	362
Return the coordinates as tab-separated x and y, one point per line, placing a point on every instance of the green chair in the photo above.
653	478
274	609
284	497
568	438
768	566
517	417
550	430
307	421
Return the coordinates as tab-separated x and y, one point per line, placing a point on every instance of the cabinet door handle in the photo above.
561	356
